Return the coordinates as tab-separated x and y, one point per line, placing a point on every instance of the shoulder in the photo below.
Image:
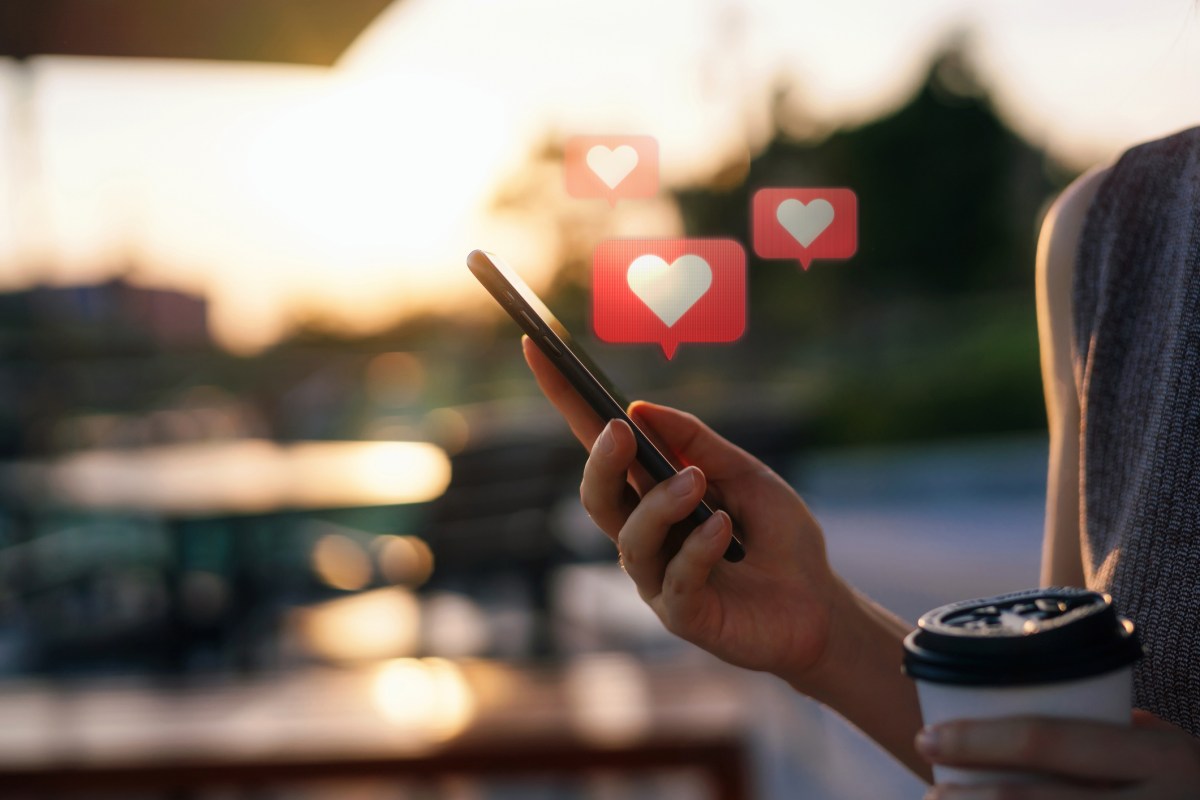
1063	225
1057	246
1163	158
1150	176
1166	157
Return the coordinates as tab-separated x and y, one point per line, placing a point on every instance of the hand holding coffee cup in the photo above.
1059	652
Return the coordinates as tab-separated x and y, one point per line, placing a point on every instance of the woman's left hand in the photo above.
1151	759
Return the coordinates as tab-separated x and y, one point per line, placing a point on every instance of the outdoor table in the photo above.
415	720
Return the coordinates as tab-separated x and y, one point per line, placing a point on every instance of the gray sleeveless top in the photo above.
1137	370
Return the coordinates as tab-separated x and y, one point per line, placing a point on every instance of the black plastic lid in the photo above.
1035	636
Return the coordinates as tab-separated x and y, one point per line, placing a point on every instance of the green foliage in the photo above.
967	369
930	329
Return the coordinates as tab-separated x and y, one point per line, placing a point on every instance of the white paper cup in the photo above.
1059	652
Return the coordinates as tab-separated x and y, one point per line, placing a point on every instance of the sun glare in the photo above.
348	197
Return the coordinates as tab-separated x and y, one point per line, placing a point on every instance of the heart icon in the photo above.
612	166
804	222
669	290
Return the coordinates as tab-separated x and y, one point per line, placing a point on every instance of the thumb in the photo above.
683	435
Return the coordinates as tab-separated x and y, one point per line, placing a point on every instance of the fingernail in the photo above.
927	742
606	443
711	526
683	483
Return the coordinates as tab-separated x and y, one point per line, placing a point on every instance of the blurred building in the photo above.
113	314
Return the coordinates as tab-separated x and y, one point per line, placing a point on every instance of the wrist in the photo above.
853	629
859	675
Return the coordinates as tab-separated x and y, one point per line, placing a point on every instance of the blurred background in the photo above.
282	514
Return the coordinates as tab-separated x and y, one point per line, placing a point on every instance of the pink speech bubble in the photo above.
805	224
612	167
669	291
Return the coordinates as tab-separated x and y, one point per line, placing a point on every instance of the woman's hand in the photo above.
781	609
1152	759
771	611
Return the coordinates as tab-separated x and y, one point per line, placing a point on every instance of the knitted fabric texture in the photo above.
1137	371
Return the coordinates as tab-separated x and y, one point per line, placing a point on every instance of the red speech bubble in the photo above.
611	167
805	224
669	291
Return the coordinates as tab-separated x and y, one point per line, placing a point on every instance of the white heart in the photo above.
804	222
612	166
669	290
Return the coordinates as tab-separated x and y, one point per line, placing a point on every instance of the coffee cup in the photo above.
1056	652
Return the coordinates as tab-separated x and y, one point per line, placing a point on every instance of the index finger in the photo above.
585	423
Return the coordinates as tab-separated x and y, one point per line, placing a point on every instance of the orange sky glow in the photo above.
352	195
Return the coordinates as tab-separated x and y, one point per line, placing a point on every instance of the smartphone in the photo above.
528	311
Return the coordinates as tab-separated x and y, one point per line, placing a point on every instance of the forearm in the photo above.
860	677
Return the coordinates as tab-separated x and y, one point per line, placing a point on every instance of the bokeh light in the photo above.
429	697
405	560
383	623
341	563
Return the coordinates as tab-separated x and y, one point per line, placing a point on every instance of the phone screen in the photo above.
540	324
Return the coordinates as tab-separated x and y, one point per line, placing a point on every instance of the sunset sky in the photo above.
352	195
